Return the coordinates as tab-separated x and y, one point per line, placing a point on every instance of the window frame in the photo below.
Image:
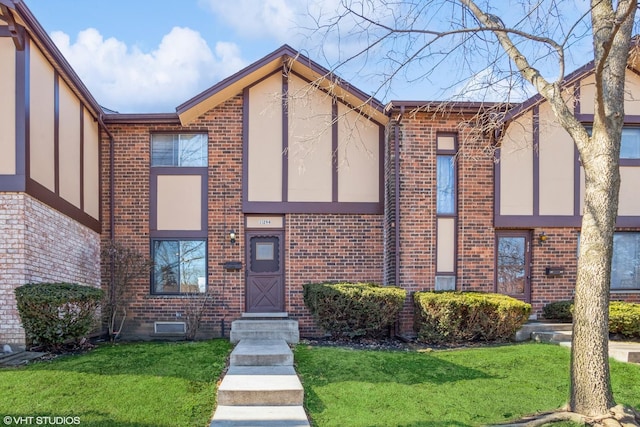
635	269
205	147
152	250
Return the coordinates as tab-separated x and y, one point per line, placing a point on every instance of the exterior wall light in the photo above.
232	236
542	237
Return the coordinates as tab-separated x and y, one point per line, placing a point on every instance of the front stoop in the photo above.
267	416
525	333
265	329
261	387
262	353
560	333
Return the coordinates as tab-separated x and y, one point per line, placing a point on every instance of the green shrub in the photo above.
354	310
445	317
624	319
55	313
561	311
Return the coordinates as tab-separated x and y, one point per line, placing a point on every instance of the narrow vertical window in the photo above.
446	220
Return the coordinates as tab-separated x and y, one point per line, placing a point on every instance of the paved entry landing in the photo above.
261	387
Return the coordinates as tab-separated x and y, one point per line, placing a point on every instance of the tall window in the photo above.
446	214
625	267
179	266
630	145
182	150
445	185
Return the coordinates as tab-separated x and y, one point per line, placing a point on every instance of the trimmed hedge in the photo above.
561	311
55	313
354	310
453	316
624	317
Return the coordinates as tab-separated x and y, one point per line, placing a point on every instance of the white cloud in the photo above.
259	18
126	79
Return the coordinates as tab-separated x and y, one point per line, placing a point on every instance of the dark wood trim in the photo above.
26	107
245	144
17	181
51	199
286	53
454	214
551	221
178	235
497	175
381	169
576	181
56	132
629	119
149	118
335	176
12	29
313	207
576	97
155	172
531	221
285	138
536	160
82	161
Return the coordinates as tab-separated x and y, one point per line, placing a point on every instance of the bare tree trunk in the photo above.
600	154
590	385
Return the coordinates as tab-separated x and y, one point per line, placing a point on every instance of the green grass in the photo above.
126	385
453	388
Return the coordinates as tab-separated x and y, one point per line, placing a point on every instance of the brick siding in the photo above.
40	244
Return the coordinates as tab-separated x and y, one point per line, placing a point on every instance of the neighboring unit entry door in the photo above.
265	272
513	264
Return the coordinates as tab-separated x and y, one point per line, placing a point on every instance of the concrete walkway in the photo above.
560	333
261	387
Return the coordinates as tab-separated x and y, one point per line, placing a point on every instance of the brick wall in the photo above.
318	247
39	244
131	216
329	248
417	214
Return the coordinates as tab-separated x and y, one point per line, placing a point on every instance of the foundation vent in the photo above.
170	327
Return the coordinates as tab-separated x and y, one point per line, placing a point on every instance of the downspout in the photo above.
112	221
396	166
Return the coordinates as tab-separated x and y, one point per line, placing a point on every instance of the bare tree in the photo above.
122	265
524	39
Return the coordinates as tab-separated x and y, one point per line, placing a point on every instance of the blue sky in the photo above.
153	55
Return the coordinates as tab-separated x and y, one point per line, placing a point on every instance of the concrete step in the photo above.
261	353
260	386
19	357
524	334
551	336
267	416
285	329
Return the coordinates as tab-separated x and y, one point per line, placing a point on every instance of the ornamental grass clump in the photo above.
354	310
450	317
54	314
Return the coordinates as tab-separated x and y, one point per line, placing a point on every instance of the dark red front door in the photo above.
265	273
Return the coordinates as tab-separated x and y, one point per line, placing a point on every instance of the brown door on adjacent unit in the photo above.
265	273
513	259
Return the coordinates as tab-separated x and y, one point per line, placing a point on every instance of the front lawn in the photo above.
455	388
125	385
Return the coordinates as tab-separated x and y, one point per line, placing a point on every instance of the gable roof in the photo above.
574	77
18	16
283	58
